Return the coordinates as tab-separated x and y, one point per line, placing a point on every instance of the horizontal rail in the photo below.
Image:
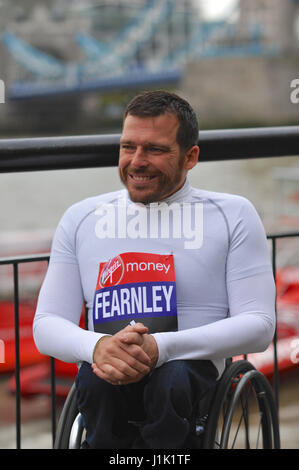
46	256
24	259
283	235
57	153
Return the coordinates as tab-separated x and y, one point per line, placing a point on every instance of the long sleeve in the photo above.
250	323
249	328
55	328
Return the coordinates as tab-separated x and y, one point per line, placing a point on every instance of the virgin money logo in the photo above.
112	273
2	92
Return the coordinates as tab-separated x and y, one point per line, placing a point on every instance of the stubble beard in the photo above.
165	188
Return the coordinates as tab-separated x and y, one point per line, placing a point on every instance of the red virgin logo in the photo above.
112	273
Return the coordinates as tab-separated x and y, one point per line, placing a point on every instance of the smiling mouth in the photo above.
141	178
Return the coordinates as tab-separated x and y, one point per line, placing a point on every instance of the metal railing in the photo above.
15	262
58	153
37	154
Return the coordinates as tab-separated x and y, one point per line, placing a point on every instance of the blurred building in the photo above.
61	49
76	31
46	25
172	30
275	20
52	52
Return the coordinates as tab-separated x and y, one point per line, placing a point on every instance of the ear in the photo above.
191	157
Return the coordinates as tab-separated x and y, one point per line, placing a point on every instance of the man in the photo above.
175	279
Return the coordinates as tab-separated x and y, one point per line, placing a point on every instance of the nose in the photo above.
139	159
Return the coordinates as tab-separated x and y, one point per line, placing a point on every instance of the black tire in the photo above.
240	385
238	379
66	420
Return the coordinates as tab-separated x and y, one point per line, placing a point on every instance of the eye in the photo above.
127	147
155	150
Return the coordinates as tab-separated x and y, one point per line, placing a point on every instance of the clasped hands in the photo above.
125	357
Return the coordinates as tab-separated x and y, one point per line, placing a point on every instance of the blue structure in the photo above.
112	66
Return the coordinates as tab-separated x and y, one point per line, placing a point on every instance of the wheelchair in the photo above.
239	413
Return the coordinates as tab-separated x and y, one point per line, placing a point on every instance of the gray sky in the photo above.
214	9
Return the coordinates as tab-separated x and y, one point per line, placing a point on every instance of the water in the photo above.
36	200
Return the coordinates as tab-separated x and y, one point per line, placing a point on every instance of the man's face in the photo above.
151	165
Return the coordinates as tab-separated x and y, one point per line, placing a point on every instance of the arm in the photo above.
249	328
57	334
251	298
56	324
56	328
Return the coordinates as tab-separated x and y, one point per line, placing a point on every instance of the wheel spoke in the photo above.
243	412
244	416
259	430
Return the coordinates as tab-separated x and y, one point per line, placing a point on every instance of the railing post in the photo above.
17	353
276	375
53	399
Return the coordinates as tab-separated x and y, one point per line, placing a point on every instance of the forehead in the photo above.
158	128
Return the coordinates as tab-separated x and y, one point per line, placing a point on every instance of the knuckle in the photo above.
132	362
135	350
124	369
110	347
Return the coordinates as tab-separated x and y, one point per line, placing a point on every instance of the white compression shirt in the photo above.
225	292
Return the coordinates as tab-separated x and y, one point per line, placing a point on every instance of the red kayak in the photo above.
287	285
28	352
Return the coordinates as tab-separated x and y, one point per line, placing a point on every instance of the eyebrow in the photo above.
146	144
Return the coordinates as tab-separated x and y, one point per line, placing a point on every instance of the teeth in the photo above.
141	178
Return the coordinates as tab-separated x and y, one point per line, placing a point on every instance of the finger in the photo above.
134	350
125	354
137	357
104	376
98	371
138	327
118	371
130	354
132	338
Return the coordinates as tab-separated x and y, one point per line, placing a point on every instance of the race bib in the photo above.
139	287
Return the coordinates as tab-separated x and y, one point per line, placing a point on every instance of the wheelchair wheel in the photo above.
70	426
242	413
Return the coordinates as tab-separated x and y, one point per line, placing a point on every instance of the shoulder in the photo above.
237	212
64	239
232	205
81	209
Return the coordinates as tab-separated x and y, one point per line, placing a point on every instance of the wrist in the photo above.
151	348
97	343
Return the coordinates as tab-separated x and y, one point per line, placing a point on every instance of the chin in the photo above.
143	199
142	196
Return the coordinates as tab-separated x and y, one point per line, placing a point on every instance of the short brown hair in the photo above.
158	102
